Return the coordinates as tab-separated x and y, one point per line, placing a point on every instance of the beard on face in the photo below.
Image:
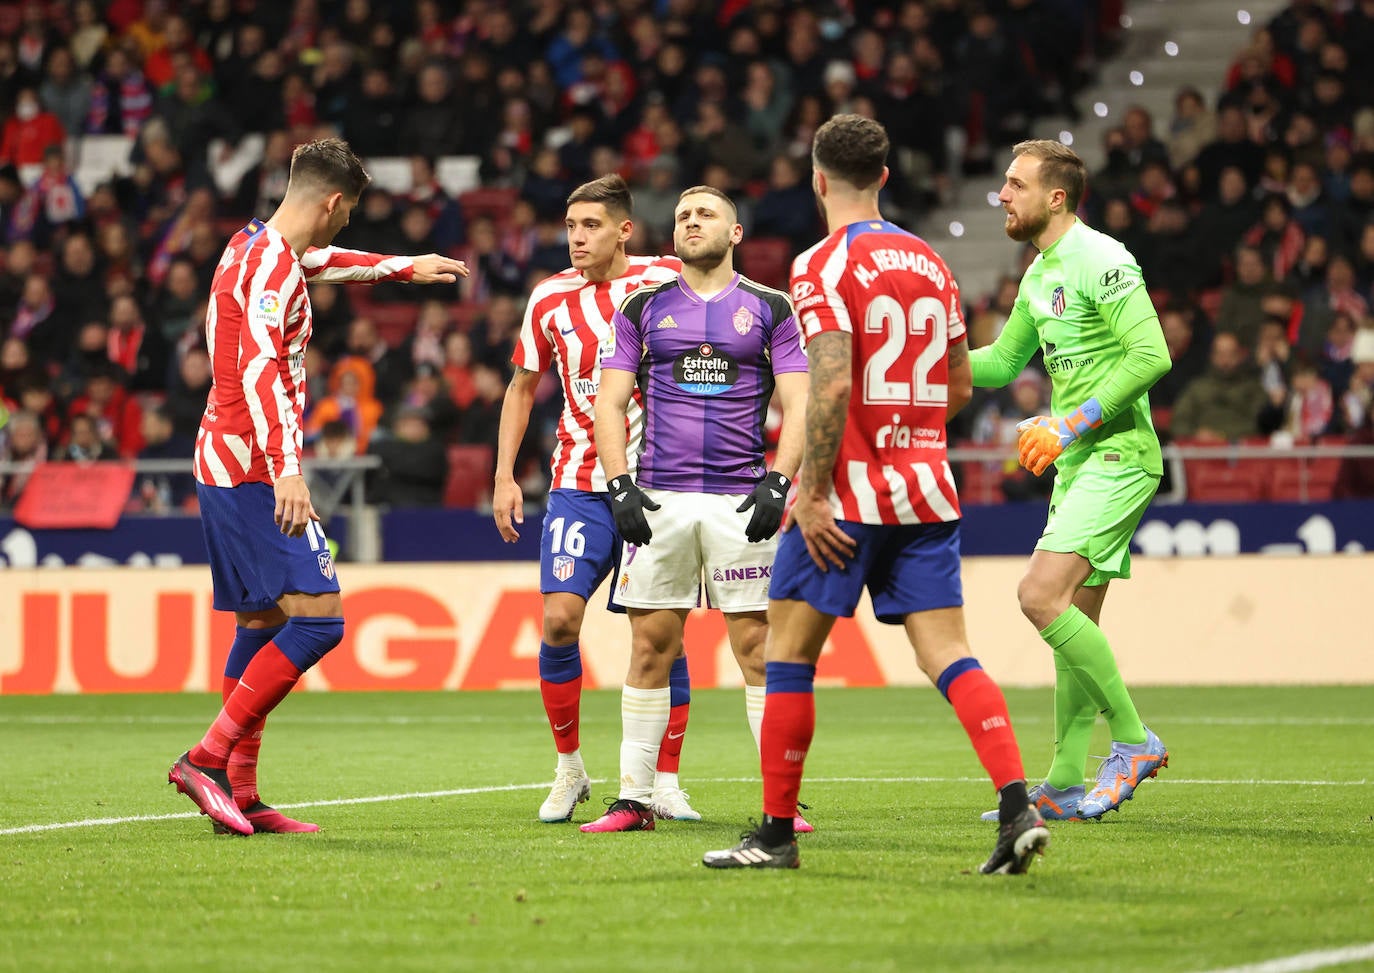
1023	229
708	254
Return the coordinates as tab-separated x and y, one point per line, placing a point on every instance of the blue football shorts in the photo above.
252	562
579	545
906	568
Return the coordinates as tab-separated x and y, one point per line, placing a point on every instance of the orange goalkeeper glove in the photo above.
1044	438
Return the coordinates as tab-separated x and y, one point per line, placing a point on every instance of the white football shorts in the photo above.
698	543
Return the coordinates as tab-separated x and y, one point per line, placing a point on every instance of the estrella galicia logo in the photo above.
705	370
1057	302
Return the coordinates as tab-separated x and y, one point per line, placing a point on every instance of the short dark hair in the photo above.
612	192
852	148
329	165
1060	168
711	191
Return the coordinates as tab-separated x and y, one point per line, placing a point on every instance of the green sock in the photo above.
1075	714
1090	660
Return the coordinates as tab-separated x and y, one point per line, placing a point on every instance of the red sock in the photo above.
563	704
789	723
980	706
243	759
670	750
264	684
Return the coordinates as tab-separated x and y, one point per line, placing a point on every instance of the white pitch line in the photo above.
1302	962
63	719
459	792
375	799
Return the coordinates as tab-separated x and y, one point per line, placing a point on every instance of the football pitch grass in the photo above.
1256	844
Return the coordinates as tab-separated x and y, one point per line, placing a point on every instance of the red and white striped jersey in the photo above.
568	318
896	296
257	325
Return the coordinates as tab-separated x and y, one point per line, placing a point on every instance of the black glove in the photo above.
769	499
628	503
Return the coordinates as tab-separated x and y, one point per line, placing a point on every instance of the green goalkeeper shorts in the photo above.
1094	511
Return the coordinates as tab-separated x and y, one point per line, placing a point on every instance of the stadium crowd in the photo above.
1251	210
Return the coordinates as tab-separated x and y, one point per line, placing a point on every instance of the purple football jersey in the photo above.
705	370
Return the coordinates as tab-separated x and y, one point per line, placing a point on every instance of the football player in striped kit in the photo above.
567	326
876	503
268	555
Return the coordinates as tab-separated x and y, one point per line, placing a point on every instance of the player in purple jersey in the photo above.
706	351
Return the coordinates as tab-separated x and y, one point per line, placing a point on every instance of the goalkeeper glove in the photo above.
768	499
1044	438
628	503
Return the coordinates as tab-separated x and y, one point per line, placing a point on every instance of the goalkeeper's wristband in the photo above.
1086	417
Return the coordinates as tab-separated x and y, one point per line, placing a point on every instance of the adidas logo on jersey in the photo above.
667	322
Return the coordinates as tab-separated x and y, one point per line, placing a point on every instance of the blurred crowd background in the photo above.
139	134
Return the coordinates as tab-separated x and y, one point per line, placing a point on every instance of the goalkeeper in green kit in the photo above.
1083	302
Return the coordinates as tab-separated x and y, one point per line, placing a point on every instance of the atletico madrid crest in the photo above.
743	320
326	565
563	567
1057	301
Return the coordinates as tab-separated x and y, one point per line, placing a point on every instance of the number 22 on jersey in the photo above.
891	376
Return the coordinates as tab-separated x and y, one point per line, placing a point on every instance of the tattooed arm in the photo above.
508	503
827	410
960	379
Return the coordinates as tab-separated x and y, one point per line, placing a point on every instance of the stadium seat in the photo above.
766	260
465	314
1224	481
391	173
470	469
979	481
458	173
99	157
494	203
1305	480
395	322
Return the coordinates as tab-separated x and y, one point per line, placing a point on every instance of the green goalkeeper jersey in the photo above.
1084	304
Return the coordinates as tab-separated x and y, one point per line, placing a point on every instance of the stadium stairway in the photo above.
1208	35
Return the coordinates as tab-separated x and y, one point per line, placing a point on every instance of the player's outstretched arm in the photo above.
997	364
435	268
339	265
507	500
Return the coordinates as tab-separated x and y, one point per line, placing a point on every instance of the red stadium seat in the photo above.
980	482
395	322
494	202
766	260
470	470
1306	480
1224	481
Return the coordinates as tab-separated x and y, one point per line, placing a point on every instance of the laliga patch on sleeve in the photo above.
269	304
1116	283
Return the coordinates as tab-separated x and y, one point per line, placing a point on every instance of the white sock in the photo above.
643	721
571	761
753	708
664	781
